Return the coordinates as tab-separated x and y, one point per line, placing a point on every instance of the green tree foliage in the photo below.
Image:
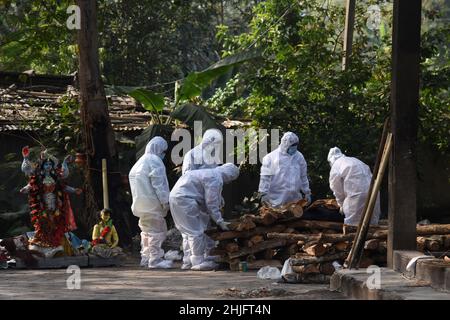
296	85
142	42
33	35
299	84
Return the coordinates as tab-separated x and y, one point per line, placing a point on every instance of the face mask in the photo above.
292	150
162	155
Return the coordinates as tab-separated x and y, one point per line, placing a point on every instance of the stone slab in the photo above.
55	263
357	284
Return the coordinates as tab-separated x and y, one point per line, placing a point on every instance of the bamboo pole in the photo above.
381	148
105	184
348	33
358	245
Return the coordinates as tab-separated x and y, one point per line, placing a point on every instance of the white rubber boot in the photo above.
186	254
144	262
205	266
145	250
196	261
162	264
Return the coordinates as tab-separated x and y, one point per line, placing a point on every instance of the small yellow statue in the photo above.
104	237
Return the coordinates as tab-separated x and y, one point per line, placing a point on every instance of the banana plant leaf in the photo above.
150	100
196	82
189	113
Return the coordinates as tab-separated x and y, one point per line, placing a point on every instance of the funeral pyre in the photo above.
315	248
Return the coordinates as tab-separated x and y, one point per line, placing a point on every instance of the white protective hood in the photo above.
283	176
334	154
148	181
204	155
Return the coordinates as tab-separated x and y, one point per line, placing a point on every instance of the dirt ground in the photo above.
134	282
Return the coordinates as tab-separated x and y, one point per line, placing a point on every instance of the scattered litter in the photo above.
337	265
254	293
269	273
287	269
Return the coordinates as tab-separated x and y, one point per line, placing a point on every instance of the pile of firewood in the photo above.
248	239
272	236
314	261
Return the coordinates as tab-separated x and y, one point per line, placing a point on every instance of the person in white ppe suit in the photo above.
195	199
205	155
150	191
284	175
350	182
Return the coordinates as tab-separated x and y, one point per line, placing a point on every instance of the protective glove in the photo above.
224	225
165	207
259	196
308	197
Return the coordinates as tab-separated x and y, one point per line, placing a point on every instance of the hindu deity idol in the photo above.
105	239
48	198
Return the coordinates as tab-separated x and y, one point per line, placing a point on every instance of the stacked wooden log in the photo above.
248	241
317	251
272	236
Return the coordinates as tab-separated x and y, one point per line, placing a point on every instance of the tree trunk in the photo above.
97	130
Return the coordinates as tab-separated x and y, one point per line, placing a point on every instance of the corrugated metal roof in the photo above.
24	102
22	109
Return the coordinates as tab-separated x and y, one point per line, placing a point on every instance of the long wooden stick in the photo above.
381	148
105	184
348	33
358	245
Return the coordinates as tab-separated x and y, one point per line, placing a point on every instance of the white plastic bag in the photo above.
173	255
287	269
337	266
269	273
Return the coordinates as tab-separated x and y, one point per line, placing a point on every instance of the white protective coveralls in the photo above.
150	191
204	155
350	183
283	176
194	200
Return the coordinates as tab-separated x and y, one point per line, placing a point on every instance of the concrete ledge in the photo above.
80	261
95	261
402	258
55	263
435	271
393	286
